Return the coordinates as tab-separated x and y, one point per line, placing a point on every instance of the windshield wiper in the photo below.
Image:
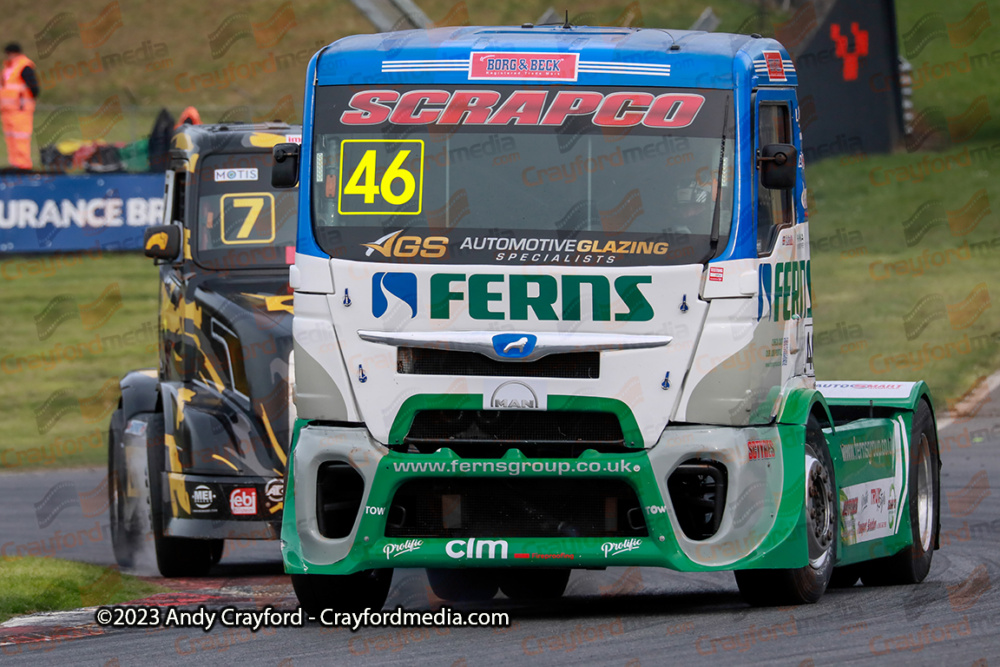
714	238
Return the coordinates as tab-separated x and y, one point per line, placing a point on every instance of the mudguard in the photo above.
140	392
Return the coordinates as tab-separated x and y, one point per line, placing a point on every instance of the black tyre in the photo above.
805	584
351	592
911	565
534	584
126	530
469	585
175	556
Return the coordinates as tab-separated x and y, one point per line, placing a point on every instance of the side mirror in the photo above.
162	241
778	164
285	173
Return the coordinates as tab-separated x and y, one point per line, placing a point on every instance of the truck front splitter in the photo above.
639	521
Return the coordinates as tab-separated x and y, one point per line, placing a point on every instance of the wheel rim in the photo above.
819	511
925	493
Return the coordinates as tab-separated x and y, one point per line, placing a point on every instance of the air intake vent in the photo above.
339	489
524	429
421	361
698	492
473	507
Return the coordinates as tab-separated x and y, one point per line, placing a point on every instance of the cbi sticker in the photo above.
381	177
248	219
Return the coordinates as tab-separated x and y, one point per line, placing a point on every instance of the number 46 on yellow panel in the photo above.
381	177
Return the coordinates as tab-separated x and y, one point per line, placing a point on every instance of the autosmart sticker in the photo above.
867	511
223	175
865	390
544	66
243	501
203	497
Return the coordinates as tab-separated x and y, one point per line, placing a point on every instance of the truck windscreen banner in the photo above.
42	213
523	175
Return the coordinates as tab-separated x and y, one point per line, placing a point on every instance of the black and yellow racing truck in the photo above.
198	447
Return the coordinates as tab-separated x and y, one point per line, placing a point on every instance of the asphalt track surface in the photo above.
621	616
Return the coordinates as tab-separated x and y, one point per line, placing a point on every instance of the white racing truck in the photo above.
553	311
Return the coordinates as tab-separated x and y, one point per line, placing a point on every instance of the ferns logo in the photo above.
403	286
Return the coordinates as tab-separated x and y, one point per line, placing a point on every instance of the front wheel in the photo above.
805	584
175	556
911	565
356	592
126	506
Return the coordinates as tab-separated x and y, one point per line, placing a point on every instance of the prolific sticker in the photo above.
616	548
775	68
223	175
275	490
392	550
716	274
513	395
546	66
243	501
203	497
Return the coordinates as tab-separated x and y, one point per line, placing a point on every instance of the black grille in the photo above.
525	429
474	507
420	361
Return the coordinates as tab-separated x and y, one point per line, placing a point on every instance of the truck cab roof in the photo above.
595	56
190	141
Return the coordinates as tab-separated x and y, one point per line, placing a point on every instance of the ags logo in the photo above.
243	501
394	245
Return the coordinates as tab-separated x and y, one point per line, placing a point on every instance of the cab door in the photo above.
784	299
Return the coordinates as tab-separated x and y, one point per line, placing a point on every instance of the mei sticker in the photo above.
224	175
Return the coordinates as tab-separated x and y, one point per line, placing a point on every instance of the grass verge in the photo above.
33	584
70	327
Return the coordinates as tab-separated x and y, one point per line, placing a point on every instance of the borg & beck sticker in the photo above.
546	66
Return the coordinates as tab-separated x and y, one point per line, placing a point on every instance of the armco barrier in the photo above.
59	213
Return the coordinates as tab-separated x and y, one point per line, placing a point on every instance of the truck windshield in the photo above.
242	222
520	174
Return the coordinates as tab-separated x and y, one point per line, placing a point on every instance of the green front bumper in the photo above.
763	524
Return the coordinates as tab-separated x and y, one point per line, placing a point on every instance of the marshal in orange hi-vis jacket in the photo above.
17	105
